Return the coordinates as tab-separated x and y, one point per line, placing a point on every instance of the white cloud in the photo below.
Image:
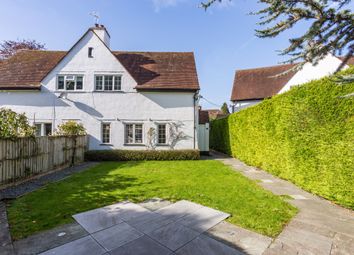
159	4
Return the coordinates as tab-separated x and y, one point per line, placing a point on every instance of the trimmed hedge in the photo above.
136	155
305	135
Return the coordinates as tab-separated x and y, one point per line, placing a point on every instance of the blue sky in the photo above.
222	38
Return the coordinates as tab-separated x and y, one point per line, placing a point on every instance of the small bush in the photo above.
70	128
304	135
136	155
13	125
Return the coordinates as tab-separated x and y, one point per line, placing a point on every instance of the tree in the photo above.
13	125
9	48
70	128
225	108
331	27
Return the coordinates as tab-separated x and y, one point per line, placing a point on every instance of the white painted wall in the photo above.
309	72
240	105
91	108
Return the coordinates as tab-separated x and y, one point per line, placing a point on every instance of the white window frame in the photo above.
42	130
113	81
166	133
126	142
110	132
75	80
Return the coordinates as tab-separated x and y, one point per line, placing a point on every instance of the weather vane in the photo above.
95	15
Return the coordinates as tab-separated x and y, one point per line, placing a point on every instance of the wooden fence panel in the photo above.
25	157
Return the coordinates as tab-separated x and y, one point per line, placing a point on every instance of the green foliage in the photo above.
70	128
208	182
305	135
129	155
225	109
13	125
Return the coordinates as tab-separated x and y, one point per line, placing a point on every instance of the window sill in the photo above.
108	91
134	144
70	91
106	144
162	145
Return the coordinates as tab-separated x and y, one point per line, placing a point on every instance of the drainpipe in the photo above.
195	100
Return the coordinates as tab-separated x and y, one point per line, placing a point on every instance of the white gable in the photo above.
77	61
325	67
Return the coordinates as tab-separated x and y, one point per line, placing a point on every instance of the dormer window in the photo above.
90	52
70	82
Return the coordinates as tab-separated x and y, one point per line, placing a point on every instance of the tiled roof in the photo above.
260	83
151	70
203	117
27	68
161	70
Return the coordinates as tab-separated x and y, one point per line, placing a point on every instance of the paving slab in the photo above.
142	246
173	235
202	219
98	219
203	245
342	245
298	197
149	222
116	236
50	239
244	240
82	246
178	209
154	204
126	210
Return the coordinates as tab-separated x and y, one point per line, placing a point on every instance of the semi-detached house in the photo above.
125	100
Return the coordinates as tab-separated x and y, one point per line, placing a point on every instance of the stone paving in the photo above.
320	227
128	228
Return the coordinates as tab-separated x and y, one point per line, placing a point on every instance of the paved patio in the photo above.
128	228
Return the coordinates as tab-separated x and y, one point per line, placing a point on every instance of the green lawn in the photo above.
206	182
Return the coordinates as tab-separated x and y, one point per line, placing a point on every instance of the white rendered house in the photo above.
125	100
251	86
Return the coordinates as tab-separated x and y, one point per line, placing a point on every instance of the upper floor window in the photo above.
108	82
70	82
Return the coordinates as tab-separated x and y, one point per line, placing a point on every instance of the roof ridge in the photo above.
266	67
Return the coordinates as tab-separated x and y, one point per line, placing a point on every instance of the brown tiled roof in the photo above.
161	70
27	68
203	117
260	83
215	114
151	70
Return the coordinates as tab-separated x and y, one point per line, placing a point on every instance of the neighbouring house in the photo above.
125	100
215	114
251	86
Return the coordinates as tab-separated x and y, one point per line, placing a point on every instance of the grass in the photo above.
206	182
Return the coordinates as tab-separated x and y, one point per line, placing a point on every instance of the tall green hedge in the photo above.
305	135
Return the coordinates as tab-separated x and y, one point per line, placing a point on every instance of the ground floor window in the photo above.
106	133
133	134
161	134
43	129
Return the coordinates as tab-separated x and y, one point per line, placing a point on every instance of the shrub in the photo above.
305	135
13	125
70	128
135	155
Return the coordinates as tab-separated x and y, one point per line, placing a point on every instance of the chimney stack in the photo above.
102	33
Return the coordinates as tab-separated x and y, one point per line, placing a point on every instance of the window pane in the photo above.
60	82
129	133
117	82
99	82
106	128
162	133
79	82
108	82
47	129
38	129
138	133
70	85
